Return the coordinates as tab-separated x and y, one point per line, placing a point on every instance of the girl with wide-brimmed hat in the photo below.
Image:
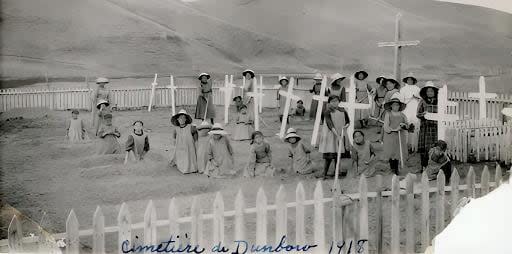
244	125
205	109
108	135
428	128
260	157
299	153
316	91
100	102
202	145
337	86
184	138
220	153
395	124
248	101
379	95
283	86
362	88
410	92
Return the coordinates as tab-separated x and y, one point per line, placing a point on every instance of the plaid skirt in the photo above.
428	136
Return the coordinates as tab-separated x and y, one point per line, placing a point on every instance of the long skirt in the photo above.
202	158
362	114
427	136
108	145
392	145
329	144
205	104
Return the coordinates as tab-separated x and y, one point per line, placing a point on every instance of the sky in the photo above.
501	5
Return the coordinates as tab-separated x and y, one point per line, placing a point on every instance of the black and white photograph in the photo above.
256	126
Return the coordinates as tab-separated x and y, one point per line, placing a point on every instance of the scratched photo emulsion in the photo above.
256	126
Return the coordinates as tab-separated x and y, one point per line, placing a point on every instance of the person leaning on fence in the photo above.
437	160
260	157
205	109
428	128
108	137
137	144
100	101
184	138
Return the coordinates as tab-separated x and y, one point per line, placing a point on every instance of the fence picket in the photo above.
337	214
498	175
440	202
239	216
484	182
15	236
300	232
281	214
319	220
195	213
72	236
454	183
124	222
410	233
425	211
395	215
363	211
174	226
218	219
261	217
150	224
378	206
470	182
98	235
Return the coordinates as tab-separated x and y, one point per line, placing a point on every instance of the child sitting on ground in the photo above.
137	143
202	145
243	128
260	157
219	153
363	155
300	110
437	160
300	154
238	103
108	137
76	128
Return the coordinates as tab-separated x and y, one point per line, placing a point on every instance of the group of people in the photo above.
398	109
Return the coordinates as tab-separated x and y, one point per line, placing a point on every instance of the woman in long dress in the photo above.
100	101
315	90
108	143
220	154
395	124
428	128
184	138
249	86
411	95
362	88
283	82
299	153
205	99
244	125
76	128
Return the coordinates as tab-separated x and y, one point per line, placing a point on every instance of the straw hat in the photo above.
248	71
217	129
387	105
102	101
203	74
337	76
239	97
283	78
101	80
410	76
397	85
318	76
291	130
380	79
291	135
365	75
423	90
204	125
174	118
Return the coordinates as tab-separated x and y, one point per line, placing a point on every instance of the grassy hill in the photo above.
72	38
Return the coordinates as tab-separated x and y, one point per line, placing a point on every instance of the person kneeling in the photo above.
437	160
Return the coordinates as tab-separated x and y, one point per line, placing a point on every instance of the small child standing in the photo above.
76	128
300	154
137	143
184	138
243	128
437	160
260	157
395	133
108	137
219	153
363	155
335	127
283	82
202	145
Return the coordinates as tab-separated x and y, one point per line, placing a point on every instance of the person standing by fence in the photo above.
100	101
428	128
248	100
205	109
315	90
410	92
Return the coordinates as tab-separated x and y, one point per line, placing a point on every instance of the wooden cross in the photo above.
227	90
321	98
289	96
261	97
173	91
255	95
152	96
398	44
482	96
351	105
442	116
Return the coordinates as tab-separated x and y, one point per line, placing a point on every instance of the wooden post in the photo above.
470	183
239	216
261	217
261	97
218	220
321	98
440	202
72	234
173	95
227	90
281	214
152	96
150	237
15	236
174	226
425	211
319	219
378	216
410	239
289	97
255	94
441	116
300	232
454	182
363	212
395	215
124	222
484	182
98	235
482	97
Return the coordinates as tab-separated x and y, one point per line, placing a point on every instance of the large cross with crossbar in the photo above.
398	44
442	116
482	97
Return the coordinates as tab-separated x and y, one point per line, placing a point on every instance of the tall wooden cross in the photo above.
398	44
482	96
152	96
261	97
173	96
351	105
321	98
442	116
255	94
227	90
289	97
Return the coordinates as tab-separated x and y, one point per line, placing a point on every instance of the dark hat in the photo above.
397	85
204	125
410	76
237	97
423	90
138	121
248	71
254	134
380	80
243	106
204	74
174	118
365	74
102	101
332	97
74	111
387	105
107	116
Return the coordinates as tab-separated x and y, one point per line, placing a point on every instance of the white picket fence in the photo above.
327	226
480	140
